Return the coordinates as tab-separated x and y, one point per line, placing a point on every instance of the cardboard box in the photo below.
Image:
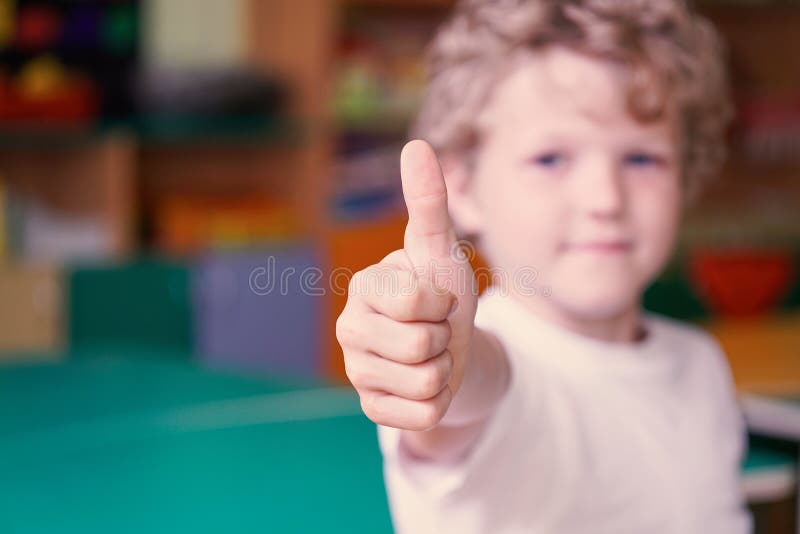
31	310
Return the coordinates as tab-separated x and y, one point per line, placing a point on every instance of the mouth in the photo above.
599	247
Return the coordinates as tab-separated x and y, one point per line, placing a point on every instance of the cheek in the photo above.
521	221
655	217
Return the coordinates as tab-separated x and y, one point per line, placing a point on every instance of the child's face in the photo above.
567	183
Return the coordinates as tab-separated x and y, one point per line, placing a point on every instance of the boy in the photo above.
570	134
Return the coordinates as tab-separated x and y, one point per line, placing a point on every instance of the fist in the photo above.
406	328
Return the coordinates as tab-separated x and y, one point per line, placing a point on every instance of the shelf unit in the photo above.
295	158
119	171
123	166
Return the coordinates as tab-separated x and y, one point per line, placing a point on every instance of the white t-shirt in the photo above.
592	437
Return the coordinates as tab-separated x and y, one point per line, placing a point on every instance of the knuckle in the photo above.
448	331
346	333
384	280
374	410
341	329
355	373
420	343
446	366
431	382
441	339
430	415
411	304
378	280
362	283
368	407
349	372
356	281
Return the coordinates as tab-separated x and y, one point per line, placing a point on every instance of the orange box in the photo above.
352	248
187	224
31	310
764	351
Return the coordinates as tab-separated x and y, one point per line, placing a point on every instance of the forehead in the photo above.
562	91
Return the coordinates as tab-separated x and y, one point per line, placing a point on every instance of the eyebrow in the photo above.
559	137
595	117
652	143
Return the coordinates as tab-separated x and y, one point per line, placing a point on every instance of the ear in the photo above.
461	200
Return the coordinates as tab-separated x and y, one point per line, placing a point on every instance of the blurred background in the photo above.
160	160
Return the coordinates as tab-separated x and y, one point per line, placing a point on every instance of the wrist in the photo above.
485	380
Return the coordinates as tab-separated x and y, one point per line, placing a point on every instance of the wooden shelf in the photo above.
158	130
118	167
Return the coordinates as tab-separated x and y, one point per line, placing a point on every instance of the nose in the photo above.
600	189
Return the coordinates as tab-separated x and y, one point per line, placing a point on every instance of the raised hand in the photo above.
408	322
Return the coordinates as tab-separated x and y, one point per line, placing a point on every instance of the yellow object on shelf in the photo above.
31	310
6	22
42	77
764	352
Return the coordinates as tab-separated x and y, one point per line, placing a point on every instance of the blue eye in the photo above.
550	159
642	159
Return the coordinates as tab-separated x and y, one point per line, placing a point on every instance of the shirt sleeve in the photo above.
419	490
438	479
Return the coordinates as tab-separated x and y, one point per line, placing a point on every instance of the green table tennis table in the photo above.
122	444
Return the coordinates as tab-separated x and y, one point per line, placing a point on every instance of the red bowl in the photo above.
742	281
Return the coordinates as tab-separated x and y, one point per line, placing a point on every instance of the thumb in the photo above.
429	236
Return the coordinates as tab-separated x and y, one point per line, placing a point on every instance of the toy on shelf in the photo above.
67	62
7	21
742	281
368	182
381	73
45	90
190	223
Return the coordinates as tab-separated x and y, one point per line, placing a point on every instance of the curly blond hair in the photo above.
673	54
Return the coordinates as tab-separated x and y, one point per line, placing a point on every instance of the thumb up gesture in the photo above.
408	322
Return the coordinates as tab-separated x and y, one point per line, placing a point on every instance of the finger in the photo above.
419	381
391	410
398	259
429	233
400	294
402	342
